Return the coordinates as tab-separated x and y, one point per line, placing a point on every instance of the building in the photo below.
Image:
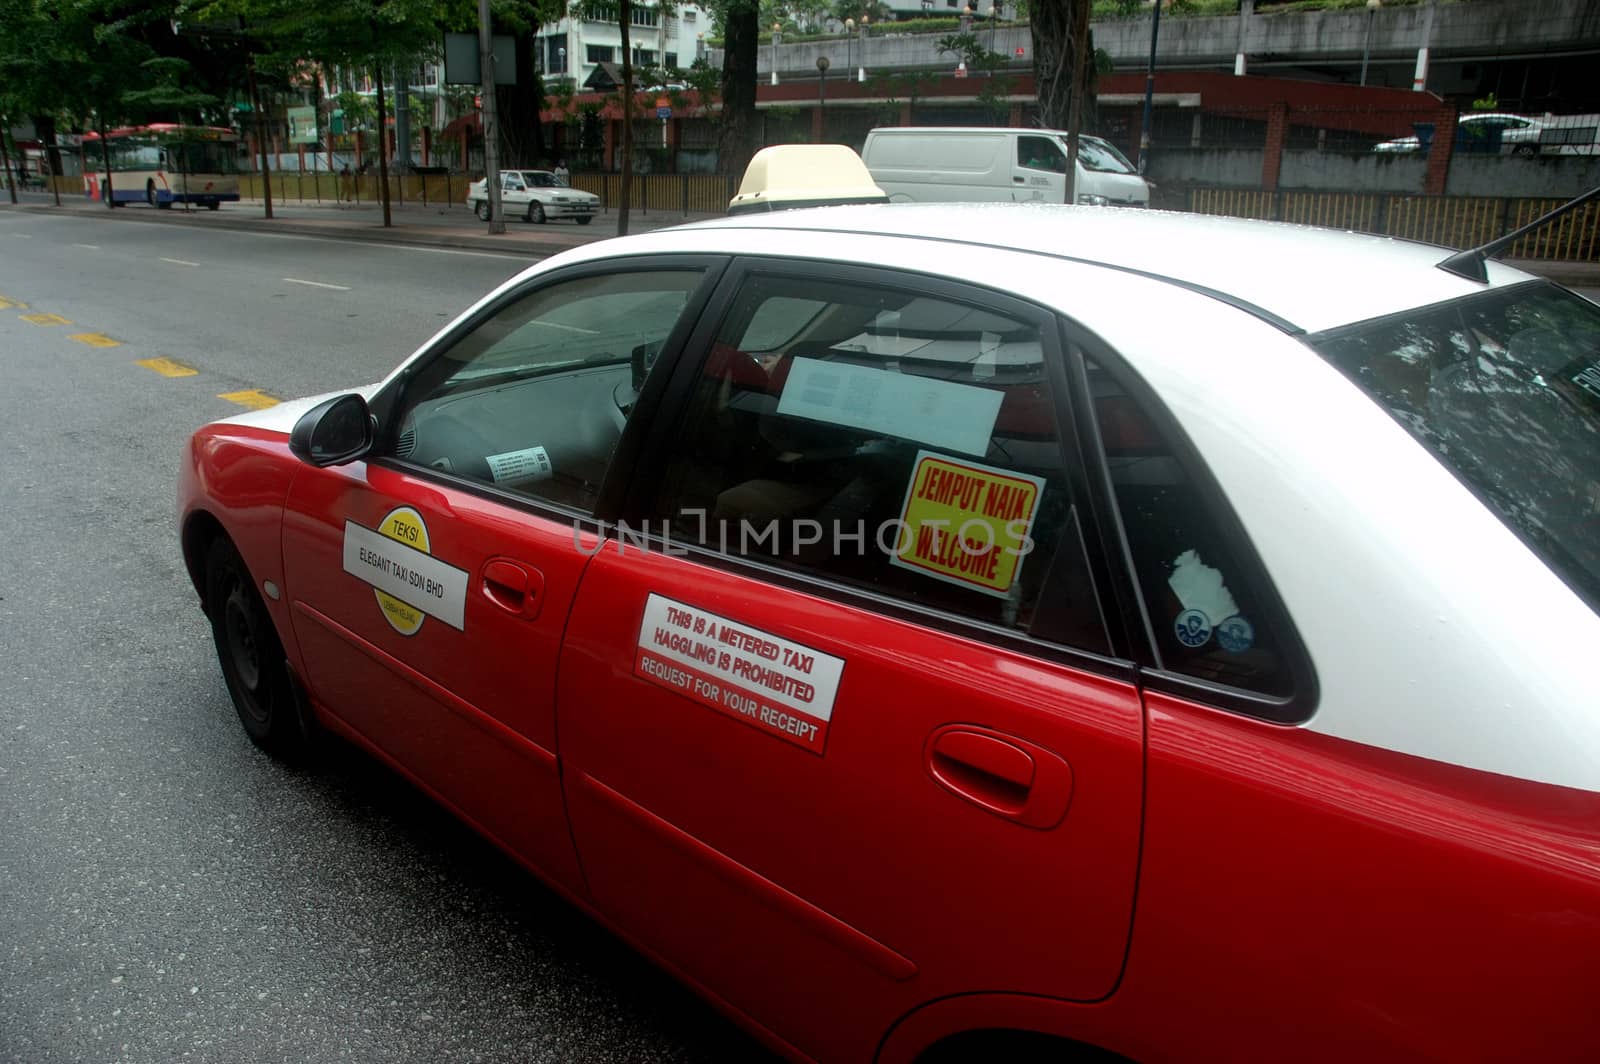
573	49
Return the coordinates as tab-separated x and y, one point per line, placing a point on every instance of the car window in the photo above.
1208	623
894	442
1096	154
1041	153
534	398
1504	389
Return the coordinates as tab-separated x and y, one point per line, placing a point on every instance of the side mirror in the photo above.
333	432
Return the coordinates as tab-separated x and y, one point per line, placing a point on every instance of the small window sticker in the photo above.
1236	635
1580	382
520	467
1193	628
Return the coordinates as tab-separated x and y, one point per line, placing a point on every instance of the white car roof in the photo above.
1302	278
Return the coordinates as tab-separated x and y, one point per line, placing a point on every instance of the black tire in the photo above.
585	219
251	656
481	209
213	205
1525	149
150	193
535	212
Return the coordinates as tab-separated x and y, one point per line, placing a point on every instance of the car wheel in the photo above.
251	655
213	205
1525	149
536	212
150	193
585	219
481	209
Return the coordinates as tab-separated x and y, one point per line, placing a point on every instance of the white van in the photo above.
997	163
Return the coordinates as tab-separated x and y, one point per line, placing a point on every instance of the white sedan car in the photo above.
534	196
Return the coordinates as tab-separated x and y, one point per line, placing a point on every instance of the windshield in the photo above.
1097	154
1504	388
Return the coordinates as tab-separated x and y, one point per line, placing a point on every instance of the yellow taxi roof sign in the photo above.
804	175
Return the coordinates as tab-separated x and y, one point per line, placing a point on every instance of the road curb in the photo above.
511	244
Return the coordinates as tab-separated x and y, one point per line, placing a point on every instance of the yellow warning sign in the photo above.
966	523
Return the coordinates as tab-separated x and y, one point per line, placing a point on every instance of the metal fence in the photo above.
687	193
292	187
1452	221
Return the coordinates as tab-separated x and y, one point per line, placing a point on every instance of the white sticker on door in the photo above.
779	686
409	581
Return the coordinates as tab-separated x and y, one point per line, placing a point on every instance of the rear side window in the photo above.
890	441
1207	618
1504	389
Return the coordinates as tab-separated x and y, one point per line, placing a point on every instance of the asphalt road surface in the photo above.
166	891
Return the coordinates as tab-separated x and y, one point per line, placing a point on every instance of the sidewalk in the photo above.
454	226
435	225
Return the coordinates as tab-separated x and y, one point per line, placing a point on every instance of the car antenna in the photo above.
1471	263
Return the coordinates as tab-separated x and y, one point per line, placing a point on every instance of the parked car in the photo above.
1004	631
1518	135
535	196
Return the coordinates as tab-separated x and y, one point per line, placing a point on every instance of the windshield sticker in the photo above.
1200	587
944	414
524	466
1193	628
1236	635
780	687
967	524
410	584
1580	382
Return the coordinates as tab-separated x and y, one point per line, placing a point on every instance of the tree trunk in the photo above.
5	161
736	141
261	135
624	16
383	146
1054	46
521	136
46	125
105	154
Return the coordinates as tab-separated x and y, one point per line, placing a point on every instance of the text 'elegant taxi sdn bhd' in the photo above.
979	631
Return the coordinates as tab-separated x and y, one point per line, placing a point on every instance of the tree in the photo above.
1055	48
741	36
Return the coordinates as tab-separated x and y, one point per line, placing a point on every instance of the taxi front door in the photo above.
451	671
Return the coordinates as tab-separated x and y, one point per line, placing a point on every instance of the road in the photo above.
169	892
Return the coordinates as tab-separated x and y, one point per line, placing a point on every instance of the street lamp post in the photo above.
1149	92
966	19
849	45
861	71
1366	49
822	96
777	38
994	24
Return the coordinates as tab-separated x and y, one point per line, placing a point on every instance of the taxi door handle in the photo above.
1019	180
514	587
1001	774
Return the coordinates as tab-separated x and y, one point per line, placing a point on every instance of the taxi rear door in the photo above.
832	778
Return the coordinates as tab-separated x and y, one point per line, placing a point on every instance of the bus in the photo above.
163	164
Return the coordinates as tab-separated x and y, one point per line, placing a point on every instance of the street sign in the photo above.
663	113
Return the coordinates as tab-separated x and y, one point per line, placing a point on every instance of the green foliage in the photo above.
967	48
1490	102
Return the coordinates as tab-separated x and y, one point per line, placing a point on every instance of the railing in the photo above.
292	187
1451	221
687	193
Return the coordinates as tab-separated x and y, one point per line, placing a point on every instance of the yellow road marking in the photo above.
167	367
45	319
12	304
95	339
255	400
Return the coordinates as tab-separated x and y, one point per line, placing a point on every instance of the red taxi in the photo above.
981	632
